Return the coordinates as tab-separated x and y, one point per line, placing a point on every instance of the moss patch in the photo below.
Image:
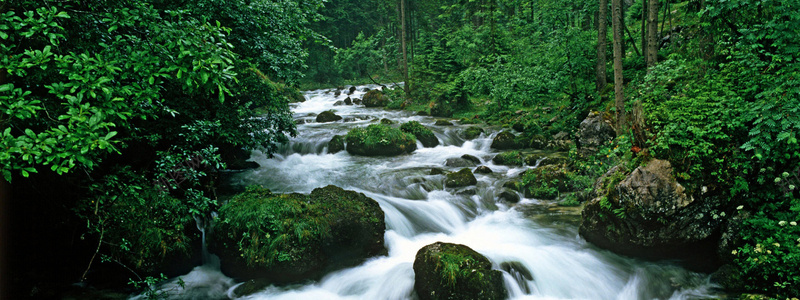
379	140
510	158
422	133
453	271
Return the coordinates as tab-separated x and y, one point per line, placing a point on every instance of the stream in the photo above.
420	210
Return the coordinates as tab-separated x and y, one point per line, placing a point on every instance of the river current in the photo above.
534	234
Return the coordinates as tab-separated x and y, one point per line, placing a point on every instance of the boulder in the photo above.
437	171
338	103
351	90
532	159
357	101
328	116
471	132
337	93
375	98
471	158
463	177
283	238
336	144
422	133
348	101
509	196
595	131
483	170
454	272
649	214
379	140
386	121
546	182
505	140
510	158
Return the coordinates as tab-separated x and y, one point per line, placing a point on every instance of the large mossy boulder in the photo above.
379	140
472	132
327	116
375	98
505	140
454	272
510	158
463	177
422	133
647	213
283	238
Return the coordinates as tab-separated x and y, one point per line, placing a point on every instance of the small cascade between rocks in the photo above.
534	243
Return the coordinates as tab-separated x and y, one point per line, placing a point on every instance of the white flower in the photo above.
777	179
782	223
740	207
793	223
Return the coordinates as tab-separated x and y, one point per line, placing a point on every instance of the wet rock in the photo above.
453	271
386	121
443	123
463	177
357	101
337	93
348	101
505	140
520	273
379	140
330	228
328	116
459	162
649	214
437	171
595	131
336	144
338	103
471	132
532	159
375	98
471	158
510	158
509	196
351	90
483	170
422	113
422	133
236	158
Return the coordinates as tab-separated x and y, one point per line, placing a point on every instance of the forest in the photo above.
122	122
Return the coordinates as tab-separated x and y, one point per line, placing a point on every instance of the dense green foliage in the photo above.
139	103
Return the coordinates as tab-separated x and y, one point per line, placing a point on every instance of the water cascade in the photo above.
538	247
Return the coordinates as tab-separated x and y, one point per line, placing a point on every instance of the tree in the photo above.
403	47
619	93
652	33
602	37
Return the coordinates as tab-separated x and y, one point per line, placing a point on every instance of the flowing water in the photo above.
552	261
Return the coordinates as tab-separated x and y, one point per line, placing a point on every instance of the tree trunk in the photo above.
652	33
644	29
602	37
619	95
403	45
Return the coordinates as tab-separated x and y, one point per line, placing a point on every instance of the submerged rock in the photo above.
327	116
647	213
454	271
422	133
292	237
379	140
463	177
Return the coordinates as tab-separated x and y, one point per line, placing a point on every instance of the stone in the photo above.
510	158
483	170
348	101
422	133
594	131
471	132
336	144
509	196
456	272
328	116
375	98
379	140
463	177
328	229
443	123
505	140
459	162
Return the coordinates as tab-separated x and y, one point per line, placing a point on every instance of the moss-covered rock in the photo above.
483	170
443	123
510	158
463	177
328	116
375	98
546	182
336	144
453	271
291	237
379	140
423	134
505	140
471	132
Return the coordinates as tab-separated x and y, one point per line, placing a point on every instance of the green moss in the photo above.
510	158
463	177
422	133
546	182
379	140
472	132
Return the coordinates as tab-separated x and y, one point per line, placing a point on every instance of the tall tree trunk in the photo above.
652	33
403	45
619	95
644	29
602	37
